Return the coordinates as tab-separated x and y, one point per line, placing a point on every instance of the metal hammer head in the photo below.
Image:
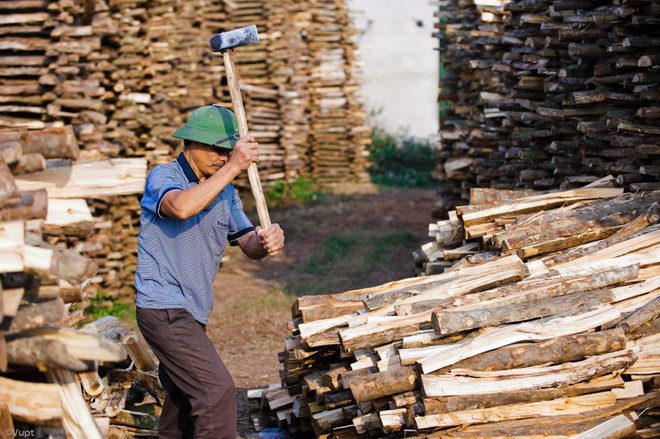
233	38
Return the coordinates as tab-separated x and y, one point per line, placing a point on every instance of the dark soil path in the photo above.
338	243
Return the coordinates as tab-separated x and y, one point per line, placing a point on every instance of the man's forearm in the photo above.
184	204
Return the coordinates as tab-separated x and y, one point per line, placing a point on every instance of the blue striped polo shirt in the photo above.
178	260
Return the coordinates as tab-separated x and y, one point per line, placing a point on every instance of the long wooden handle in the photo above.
239	111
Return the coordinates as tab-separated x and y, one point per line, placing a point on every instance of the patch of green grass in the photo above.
101	306
298	192
347	259
331	251
404	161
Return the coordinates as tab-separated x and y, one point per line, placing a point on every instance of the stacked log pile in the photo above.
548	94
339	135
96	382
545	328
94	205
125	74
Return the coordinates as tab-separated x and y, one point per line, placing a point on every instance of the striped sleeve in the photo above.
160	181
239	223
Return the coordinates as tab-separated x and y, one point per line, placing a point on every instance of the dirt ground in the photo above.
338	243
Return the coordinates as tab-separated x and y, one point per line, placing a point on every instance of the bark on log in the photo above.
572	405
31	205
649	312
378	385
527	379
450	322
541	330
39	352
50	142
565	425
448	404
51	312
556	350
33	403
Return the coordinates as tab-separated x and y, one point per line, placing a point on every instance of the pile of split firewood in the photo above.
545	93
91	206
126	74
543	324
95	381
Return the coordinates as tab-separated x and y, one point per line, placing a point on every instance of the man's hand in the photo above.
244	153
272	240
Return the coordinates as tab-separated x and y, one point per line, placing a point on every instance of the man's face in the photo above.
208	159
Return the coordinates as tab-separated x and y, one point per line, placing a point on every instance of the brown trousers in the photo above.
201	396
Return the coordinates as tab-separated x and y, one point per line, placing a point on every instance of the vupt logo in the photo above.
15	432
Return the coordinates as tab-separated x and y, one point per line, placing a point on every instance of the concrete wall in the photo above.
400	65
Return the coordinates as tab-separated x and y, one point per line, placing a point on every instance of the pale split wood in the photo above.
535	330
467	382
89	179
77	419
34	403
12	246
615	428
538	202
564	406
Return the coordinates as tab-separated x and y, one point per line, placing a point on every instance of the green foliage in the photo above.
300	191
406	161
102	306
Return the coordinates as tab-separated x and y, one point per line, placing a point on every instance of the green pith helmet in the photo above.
212	125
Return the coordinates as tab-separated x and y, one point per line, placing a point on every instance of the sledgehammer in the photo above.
224	43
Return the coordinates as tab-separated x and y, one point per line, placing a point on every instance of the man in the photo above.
189	211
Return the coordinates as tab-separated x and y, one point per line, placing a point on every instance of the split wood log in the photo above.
553	351
41	353
450	322
91	383
63	264
649	312
529	378
89	179
639	223
551	284
76	419
12	246
109	327
29	163
325	421
6	422
536	203
71	217
51	142
50	312
566	226
449	404
139	352
562	425
564	406
528	331
32	205
8	189
82	345
378	385
33	403
618	427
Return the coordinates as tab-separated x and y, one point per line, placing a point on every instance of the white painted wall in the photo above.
400	65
